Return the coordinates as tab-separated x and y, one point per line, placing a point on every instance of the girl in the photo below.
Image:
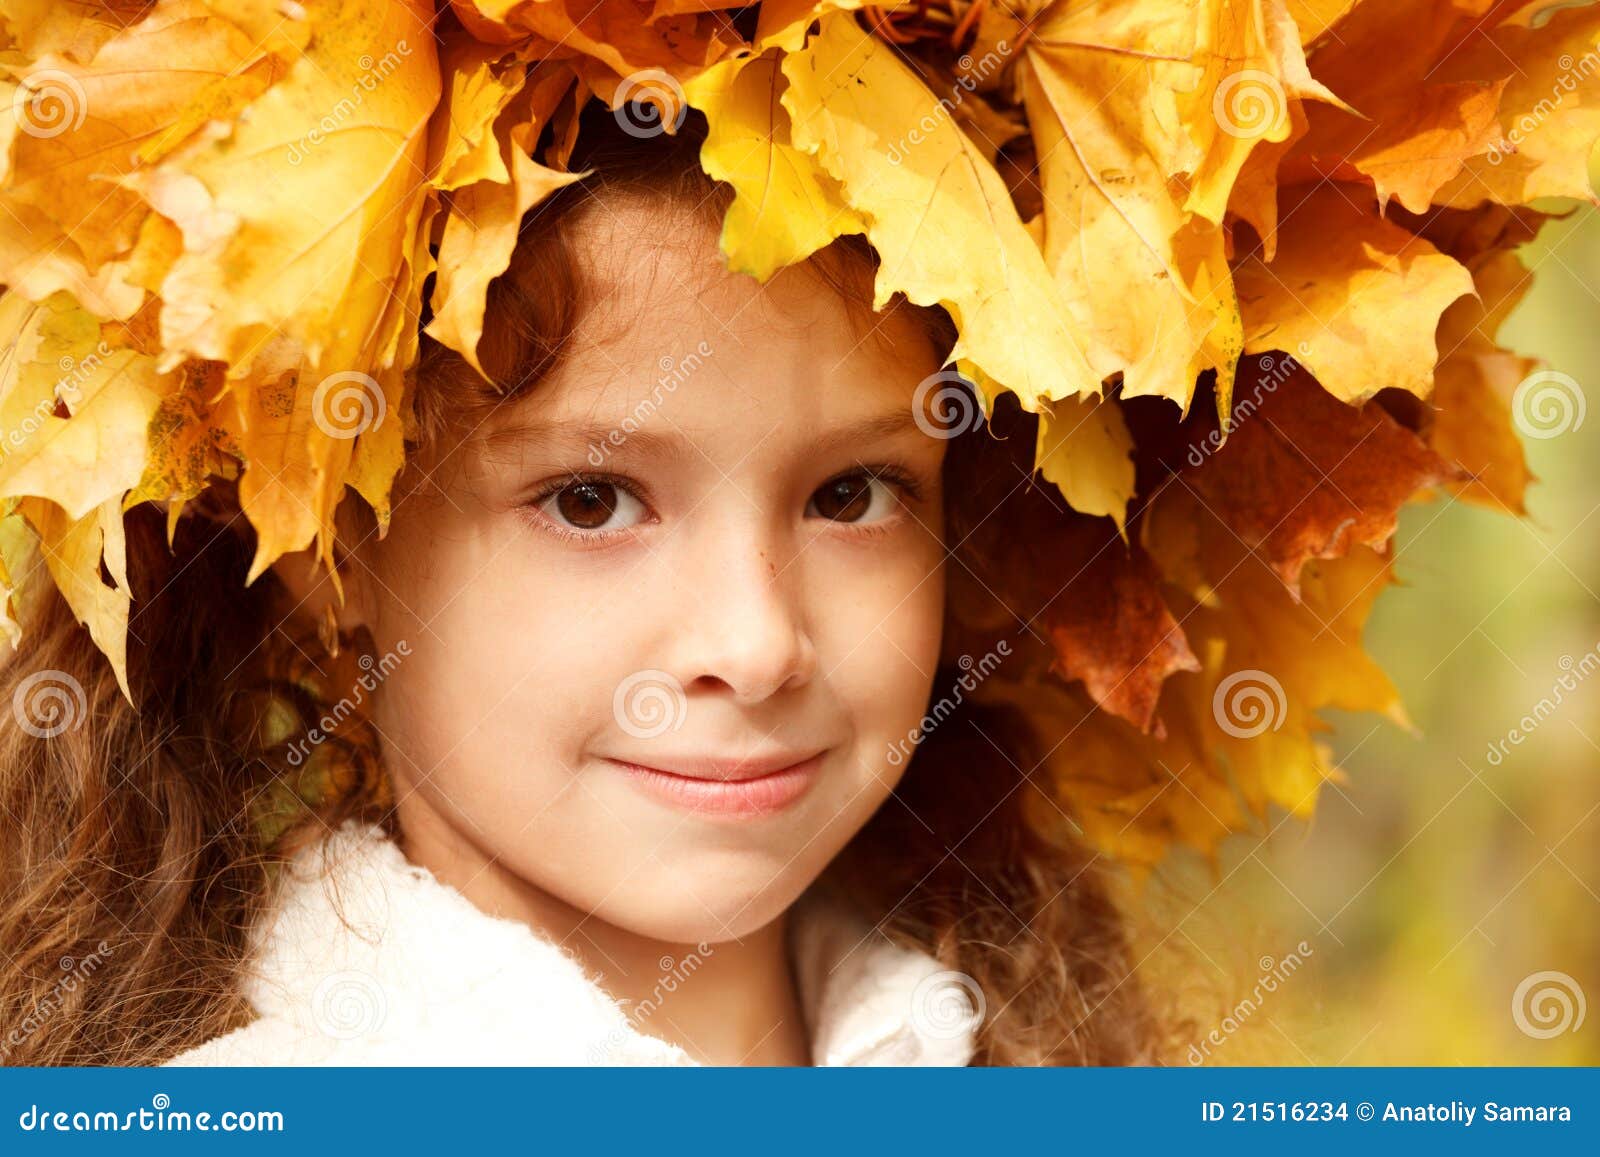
605	761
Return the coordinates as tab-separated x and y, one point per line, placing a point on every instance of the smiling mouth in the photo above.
727	787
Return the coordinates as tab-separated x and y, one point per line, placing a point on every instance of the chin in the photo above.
694	908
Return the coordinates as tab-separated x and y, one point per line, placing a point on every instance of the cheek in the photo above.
881	645
511	669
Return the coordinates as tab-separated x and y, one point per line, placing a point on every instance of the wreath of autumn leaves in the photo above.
217	218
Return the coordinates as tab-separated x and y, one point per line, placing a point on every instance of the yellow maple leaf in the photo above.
379	450
1150	296
39	27
184	448
783	23
1353	297
296	224
1472	424
611	32
1241	732
479	81
80	126
1414	122
1252	68
1549	115
73	550
73	410
1143	119
19	558
484	218
1085	449
938	215
786	206
940	219
291	220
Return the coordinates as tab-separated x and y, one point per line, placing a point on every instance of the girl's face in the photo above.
667	614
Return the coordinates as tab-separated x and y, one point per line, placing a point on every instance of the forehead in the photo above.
670	336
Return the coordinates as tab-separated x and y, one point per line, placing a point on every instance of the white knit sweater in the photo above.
371	960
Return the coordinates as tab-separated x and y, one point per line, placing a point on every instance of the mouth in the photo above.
734	788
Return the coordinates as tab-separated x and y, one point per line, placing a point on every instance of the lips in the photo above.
724	787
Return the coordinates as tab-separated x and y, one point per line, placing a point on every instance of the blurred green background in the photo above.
1435	884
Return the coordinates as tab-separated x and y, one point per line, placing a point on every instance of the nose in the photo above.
744	627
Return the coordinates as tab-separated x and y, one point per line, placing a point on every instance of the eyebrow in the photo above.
586	432
578	431
878	426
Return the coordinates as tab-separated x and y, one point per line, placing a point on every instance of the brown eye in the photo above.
849	499
592	504
588	505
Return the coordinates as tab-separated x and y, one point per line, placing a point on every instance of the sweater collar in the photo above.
371	960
